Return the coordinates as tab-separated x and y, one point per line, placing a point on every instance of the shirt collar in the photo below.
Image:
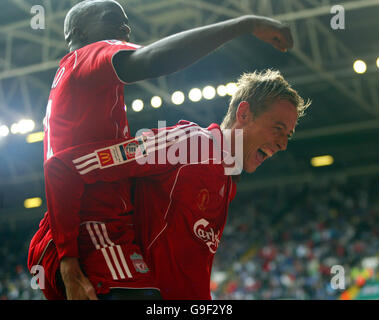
223	142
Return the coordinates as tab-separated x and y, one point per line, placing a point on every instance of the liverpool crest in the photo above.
138	263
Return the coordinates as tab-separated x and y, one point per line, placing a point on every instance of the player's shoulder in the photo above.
186	123
193	127
185	129
113	43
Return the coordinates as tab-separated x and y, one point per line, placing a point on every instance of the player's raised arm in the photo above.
180	50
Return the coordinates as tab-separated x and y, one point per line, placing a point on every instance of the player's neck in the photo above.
77	45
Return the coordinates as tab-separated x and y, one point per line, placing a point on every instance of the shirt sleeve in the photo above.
95	63
154	152
64	190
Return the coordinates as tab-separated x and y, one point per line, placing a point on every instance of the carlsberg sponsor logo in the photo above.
208	235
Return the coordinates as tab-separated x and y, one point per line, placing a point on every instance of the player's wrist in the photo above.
70	268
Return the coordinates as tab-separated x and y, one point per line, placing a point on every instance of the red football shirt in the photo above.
86	101
86	104
180	216
181	199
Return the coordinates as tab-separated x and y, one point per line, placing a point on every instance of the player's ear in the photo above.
243	113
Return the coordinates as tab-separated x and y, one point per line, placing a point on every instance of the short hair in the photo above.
78	14
261	89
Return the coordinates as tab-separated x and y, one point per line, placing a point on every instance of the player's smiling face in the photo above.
265	135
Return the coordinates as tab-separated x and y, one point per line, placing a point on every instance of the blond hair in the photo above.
261	89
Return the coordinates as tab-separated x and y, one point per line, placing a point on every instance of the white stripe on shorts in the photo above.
101	240
125	265
109	264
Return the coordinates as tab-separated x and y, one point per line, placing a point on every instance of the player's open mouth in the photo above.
261	156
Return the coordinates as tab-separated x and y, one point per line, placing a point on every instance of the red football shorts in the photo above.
107	257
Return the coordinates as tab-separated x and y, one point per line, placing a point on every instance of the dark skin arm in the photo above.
180	50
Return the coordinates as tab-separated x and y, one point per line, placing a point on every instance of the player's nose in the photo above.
282	144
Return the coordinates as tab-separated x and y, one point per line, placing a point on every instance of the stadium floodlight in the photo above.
209	92
177	97
195	95
221	90
137	105
35	137
4	130
321	161
14	128
231	88
359	66
25	126
32	203
156	102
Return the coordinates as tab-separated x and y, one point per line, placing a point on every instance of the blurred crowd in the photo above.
278	243
15	279
281	243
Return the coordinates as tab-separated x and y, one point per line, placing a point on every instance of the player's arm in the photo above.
180	50
152	153
63	193
77	285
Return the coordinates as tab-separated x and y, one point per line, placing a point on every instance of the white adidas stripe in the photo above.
85	164
155	144
85	157
96	166
104	229
104	237
119	250
94	241
109	264
160	137
115	260
183	137
160	134
123	260
99	235
101	240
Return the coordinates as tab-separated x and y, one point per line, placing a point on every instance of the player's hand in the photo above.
273	32
77	285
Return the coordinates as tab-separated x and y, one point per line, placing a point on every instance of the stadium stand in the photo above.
279	243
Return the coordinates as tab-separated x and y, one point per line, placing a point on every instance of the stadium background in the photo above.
291	221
